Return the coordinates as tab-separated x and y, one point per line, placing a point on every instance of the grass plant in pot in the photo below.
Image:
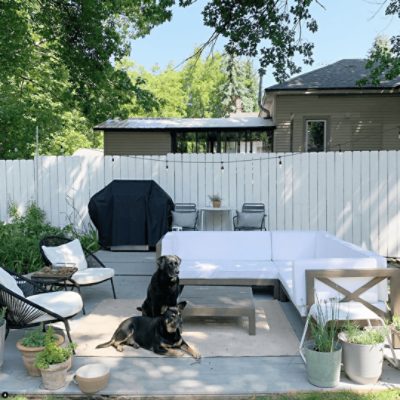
215	200
53	362
32	343
323	352
395	329
363	352
3	328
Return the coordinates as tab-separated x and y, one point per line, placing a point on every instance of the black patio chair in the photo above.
26	311
96	272
252	217
185	216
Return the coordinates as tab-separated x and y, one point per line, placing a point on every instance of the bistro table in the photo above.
225	210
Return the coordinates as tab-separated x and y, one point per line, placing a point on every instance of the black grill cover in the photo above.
131	212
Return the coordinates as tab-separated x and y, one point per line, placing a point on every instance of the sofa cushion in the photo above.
68	253
293	245
227	269
285	274
218	245
90	276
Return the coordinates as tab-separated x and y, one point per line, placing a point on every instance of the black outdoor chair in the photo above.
29	311
185	216
252	217
96	272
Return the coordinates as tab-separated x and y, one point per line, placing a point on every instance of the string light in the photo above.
112	159
222	166
280	161
166	164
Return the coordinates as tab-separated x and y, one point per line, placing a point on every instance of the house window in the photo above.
316	134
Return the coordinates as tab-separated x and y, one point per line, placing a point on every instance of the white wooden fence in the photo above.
354	195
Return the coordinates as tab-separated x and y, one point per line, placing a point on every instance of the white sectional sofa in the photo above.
262	258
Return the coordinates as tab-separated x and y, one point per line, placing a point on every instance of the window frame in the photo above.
326	131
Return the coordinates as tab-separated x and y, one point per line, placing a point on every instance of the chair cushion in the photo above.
66	304
92	275
9	282
68	253
184	219
249	219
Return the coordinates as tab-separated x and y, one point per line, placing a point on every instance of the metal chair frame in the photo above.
251	208
91	259
188	208
21	312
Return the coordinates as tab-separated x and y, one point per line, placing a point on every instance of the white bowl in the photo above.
92	377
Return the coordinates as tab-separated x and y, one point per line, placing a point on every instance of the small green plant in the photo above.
396	322
370	336
53	353
215	197
37	337
324	328
3	311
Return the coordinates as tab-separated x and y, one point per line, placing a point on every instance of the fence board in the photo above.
355	195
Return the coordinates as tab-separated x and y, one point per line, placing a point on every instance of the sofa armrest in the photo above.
377	275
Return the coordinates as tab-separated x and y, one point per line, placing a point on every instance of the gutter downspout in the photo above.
260	97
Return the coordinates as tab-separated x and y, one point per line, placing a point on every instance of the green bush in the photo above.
369	336
19	250
37	337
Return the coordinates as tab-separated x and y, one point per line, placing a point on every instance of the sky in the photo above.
347	29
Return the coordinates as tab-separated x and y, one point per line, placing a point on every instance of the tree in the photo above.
58	67
384	57
247	23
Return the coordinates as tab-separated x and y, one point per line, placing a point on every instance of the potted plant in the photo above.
323	353
53	362
3	328
33	343
363	352
215	200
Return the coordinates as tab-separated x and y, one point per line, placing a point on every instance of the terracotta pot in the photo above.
92	377
216	203
29	355
55	377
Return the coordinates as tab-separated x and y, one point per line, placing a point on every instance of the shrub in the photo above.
37	337
19	250
368	336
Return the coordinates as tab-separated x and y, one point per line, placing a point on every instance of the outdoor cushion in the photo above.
214	245
92	275
68	253
249	220
184	219
228	269
293	245
9	282
62	303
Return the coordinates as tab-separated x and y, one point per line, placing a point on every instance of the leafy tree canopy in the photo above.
384	57
277	24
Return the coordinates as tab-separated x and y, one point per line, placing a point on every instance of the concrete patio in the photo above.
170	377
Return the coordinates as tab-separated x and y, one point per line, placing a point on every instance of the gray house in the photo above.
326	109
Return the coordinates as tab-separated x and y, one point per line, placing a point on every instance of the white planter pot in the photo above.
2	342
362	363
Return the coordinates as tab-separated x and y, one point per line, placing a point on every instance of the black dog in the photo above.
163	290
160	334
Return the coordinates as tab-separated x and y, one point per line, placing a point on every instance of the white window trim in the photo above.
325	121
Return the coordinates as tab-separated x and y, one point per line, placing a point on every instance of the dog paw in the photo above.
196	355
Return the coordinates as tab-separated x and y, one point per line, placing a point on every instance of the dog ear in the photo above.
161	261
179	259
181	305
163	309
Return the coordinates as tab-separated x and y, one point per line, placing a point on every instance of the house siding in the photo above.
137	143
355	122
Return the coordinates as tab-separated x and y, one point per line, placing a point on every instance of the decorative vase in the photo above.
323	368
216	203
362	362
2	341
29	355
55	377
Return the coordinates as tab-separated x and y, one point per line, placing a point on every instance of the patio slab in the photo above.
181	377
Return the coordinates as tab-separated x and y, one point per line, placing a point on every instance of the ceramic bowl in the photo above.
92	377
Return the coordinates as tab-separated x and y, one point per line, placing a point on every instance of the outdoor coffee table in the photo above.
220	301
